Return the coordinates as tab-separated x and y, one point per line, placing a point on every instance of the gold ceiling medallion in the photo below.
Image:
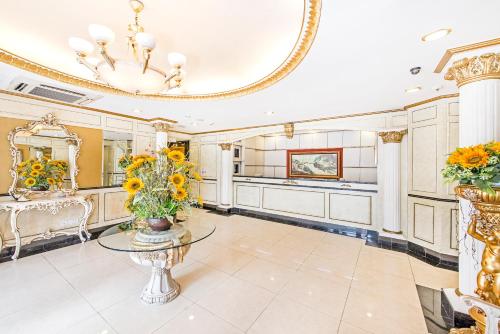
312	13
392	136
473	69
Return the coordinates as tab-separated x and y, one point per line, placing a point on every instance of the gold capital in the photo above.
289	129
392	136
225	146
161	126
473	69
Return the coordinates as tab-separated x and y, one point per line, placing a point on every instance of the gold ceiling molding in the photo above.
469	47
304	42
436	98
467	70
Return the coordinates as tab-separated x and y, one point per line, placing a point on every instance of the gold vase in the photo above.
485	227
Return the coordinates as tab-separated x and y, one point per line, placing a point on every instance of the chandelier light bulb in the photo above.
101	34
145	40
80	45
176	59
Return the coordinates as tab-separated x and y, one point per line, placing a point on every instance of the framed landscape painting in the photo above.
323	163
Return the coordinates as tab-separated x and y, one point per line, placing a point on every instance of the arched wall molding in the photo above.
310	24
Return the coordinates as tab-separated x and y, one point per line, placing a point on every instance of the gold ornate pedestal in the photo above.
485	227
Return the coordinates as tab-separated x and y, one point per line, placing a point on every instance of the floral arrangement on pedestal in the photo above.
159	186
475	165
42	174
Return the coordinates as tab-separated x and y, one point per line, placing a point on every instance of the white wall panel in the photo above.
307	203
351	208
208	160
424	114
335	139
351	138
423	228
208	191
269	143
424	169
351	157
248	195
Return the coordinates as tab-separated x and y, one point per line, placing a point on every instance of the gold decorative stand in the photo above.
485	227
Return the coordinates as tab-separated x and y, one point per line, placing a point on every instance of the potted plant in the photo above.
42	174
475	167
159	186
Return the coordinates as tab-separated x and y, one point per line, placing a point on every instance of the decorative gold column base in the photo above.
392	232
471	330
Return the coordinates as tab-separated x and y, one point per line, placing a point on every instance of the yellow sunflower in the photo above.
51	181
177	179
474	157
197	176
129	201
165	150
176	156
36	166
133	185
30	182
200	201
140	156
34	173
494	146
180	194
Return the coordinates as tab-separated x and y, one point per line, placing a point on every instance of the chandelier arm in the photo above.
146	54
81	60
107	58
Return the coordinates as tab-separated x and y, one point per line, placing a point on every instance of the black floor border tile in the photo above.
372	238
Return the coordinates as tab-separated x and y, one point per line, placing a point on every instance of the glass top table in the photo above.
160	250
123	237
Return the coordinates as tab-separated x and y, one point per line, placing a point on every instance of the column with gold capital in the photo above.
478	81
391	167
226	176
161	128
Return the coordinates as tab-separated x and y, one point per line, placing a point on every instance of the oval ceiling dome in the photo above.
232	47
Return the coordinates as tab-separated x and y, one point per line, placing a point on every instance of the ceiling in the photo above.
359	61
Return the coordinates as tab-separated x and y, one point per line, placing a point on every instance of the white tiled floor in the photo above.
251	276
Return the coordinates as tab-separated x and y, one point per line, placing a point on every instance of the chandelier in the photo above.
133	75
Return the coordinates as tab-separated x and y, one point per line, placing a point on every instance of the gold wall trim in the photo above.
304	42
440	97
469	47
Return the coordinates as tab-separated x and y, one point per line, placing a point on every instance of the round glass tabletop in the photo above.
128	237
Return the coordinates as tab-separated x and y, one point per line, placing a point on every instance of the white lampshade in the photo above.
101	33
145	40
176	59
80	45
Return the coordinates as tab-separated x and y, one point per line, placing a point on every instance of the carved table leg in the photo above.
161	288
15	230
88	205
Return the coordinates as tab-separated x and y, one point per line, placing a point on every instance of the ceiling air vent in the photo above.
32	87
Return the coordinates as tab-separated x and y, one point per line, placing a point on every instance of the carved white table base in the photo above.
52	205
161	288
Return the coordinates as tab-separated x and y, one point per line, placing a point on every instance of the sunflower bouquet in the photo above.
475	165
42	174
159	186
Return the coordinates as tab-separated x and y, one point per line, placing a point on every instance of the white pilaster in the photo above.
161	128
391	162
226	182
479	124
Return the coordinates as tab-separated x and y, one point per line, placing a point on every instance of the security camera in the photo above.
415	70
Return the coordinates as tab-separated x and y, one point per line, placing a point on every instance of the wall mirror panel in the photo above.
116	145
44	155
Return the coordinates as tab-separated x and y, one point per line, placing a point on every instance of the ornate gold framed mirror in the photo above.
44	155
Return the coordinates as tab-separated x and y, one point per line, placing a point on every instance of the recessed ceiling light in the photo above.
436	35
137	111
269	113
413	90
194	124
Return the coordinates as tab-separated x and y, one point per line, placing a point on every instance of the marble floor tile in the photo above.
133	316
339	266
227	260
284	316
320	294
299	243
292	258
24	269
384	261
268	275
198	279
73	255
346	328
252	245
238	302
432	277
197	320
92	325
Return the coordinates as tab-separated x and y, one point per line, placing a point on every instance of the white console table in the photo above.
52	205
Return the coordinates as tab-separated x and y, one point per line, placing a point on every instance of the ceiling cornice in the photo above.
436	98
309	27
464	48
